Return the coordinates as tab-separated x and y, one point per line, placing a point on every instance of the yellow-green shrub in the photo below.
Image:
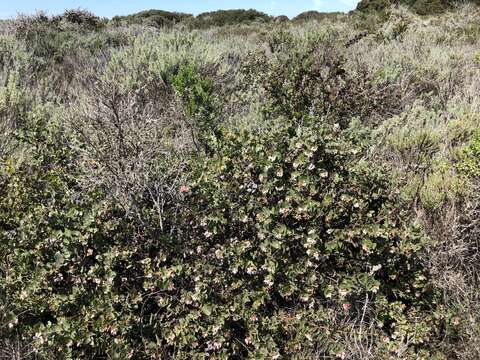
441	185
470	163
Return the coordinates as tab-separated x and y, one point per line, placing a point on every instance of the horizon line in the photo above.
19	13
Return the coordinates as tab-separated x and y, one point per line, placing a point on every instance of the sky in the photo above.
109	8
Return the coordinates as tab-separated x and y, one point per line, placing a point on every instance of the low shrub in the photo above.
470	163
281	19
284	236
14	104
442	187
311	79
62	260
436	153
373	5
196	95
477	58
421	7
83	18
131	131
291	232
56	45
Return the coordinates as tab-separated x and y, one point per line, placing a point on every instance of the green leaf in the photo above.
207	309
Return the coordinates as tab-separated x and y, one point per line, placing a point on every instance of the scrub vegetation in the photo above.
239	186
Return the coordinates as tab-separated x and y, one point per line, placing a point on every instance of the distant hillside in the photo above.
230	17
421	7
153	17
314	15
160	18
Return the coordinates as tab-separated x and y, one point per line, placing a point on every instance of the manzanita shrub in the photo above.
290	230
284	236
49	240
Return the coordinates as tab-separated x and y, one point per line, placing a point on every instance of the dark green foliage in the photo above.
314	15
373	5
158	18
421	7
198	103
470	162
277	230
280	229
61	296
229	17
288	225
81	17
281	19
